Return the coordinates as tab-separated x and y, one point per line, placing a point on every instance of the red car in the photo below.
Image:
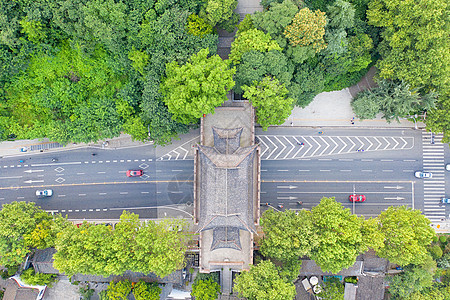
357	198
134	173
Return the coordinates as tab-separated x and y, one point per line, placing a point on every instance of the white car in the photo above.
422	174
44	193
447	167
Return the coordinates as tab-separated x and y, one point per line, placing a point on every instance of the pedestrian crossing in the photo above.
434	188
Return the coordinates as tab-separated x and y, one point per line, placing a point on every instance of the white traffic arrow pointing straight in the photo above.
394	187
396	198
31	181
32	171
286	187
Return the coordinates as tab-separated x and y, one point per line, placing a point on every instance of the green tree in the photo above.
205	289
197	87
407	233
366	105
269	97
415	42
437	119
198	26
307	29
395	100
219	12
287	235
413	279
340	240
146	291
17	220
274	20
256	65
341	14
119	290
252	39
263	282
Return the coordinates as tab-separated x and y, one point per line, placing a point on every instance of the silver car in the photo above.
422	174
44	193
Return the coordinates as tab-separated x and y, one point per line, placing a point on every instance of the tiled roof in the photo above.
43	261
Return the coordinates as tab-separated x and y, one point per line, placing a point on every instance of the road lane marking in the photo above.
61	195
387	170
81	173
366	170
325	159
386	160
345	159
325	170
303	170
345	170
11	177
283	170
57	164
366	159
81	194
177	170
409	160
101	172
102	194
145	192
123	193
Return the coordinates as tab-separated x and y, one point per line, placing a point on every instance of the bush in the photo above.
119	290
12	270
103	295
4	274
435	239
205	289
351	279
30	277
444	261
436	251
146	291
443	239
86	292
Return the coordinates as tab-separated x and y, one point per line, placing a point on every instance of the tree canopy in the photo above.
269	97
415	41
407	234
197	87
133	245
263	282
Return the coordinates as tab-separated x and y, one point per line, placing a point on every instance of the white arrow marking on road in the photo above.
328	146
286	187
362	144
352	143
404	141
387	143
286	198
32	181
276	147
184	157
332	150
267	148
281	151
379	144
32	171
292	146
371	144
317	147
394	187
396	198
343	143
309	146
178	154
396	143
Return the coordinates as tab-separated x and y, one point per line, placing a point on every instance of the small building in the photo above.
16	289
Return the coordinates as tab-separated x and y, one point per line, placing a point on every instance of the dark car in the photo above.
357	198
134	173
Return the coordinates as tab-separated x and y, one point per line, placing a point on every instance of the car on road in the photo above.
422	174
44	193
357	198
447	167
445	200
134	173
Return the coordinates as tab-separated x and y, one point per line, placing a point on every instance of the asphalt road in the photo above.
331	164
